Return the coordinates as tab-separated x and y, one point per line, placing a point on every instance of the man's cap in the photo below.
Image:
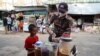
63	7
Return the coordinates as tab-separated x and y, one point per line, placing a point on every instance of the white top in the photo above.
39	21
9	20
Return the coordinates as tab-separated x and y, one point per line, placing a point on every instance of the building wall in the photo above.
28	2
19	3
1	3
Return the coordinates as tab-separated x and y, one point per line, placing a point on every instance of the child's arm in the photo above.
30	50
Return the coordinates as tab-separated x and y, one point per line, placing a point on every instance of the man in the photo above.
5	24
62	22
62	29
13	17
9	21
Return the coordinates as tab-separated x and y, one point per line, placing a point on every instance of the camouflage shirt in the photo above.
61	24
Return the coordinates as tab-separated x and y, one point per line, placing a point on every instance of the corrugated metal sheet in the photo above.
80	6
84	8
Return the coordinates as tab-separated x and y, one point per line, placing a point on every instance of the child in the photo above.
31	40
20	26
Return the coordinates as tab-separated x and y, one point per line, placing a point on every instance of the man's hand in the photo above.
49	30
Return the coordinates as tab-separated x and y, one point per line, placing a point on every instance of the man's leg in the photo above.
6	29
10	26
